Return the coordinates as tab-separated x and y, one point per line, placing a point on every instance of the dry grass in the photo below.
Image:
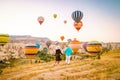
107	68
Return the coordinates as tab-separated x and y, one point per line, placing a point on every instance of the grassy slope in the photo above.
107	68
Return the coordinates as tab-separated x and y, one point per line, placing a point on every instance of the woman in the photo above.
68	52
57	55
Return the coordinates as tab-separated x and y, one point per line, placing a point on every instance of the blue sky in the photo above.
101	20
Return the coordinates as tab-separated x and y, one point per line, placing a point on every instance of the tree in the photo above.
48	43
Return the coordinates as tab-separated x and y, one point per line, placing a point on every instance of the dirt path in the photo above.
77	70
56	72
44	71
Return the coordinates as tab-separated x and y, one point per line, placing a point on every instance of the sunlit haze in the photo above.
101	20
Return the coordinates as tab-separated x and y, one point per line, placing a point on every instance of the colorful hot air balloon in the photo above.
38	45
78	25
75	45
62	38
65	21
4	38
77	16
55	15
40	19
30	51
94	47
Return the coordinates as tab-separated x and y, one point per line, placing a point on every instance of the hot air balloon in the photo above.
78	25
62	38
56	42
55	15
84	45
65	21
94	47
30	51
4	38
69	40
77	16
40	19
38	45
75	45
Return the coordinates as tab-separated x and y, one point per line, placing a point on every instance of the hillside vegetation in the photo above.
106	68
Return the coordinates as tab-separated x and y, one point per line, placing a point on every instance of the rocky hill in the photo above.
27	39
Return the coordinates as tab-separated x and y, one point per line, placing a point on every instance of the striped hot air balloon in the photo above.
94	47
75	45
77	16
30	51
4	38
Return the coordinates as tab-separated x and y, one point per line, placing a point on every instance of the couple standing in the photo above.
67	52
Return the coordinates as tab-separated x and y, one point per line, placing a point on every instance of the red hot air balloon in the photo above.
62	38
78	25
40	19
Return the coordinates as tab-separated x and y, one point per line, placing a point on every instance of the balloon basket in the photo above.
93	54
30	56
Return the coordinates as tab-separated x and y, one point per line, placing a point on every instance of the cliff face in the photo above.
27	39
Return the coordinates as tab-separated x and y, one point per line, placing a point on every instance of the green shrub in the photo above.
44	56
104	50
3	65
